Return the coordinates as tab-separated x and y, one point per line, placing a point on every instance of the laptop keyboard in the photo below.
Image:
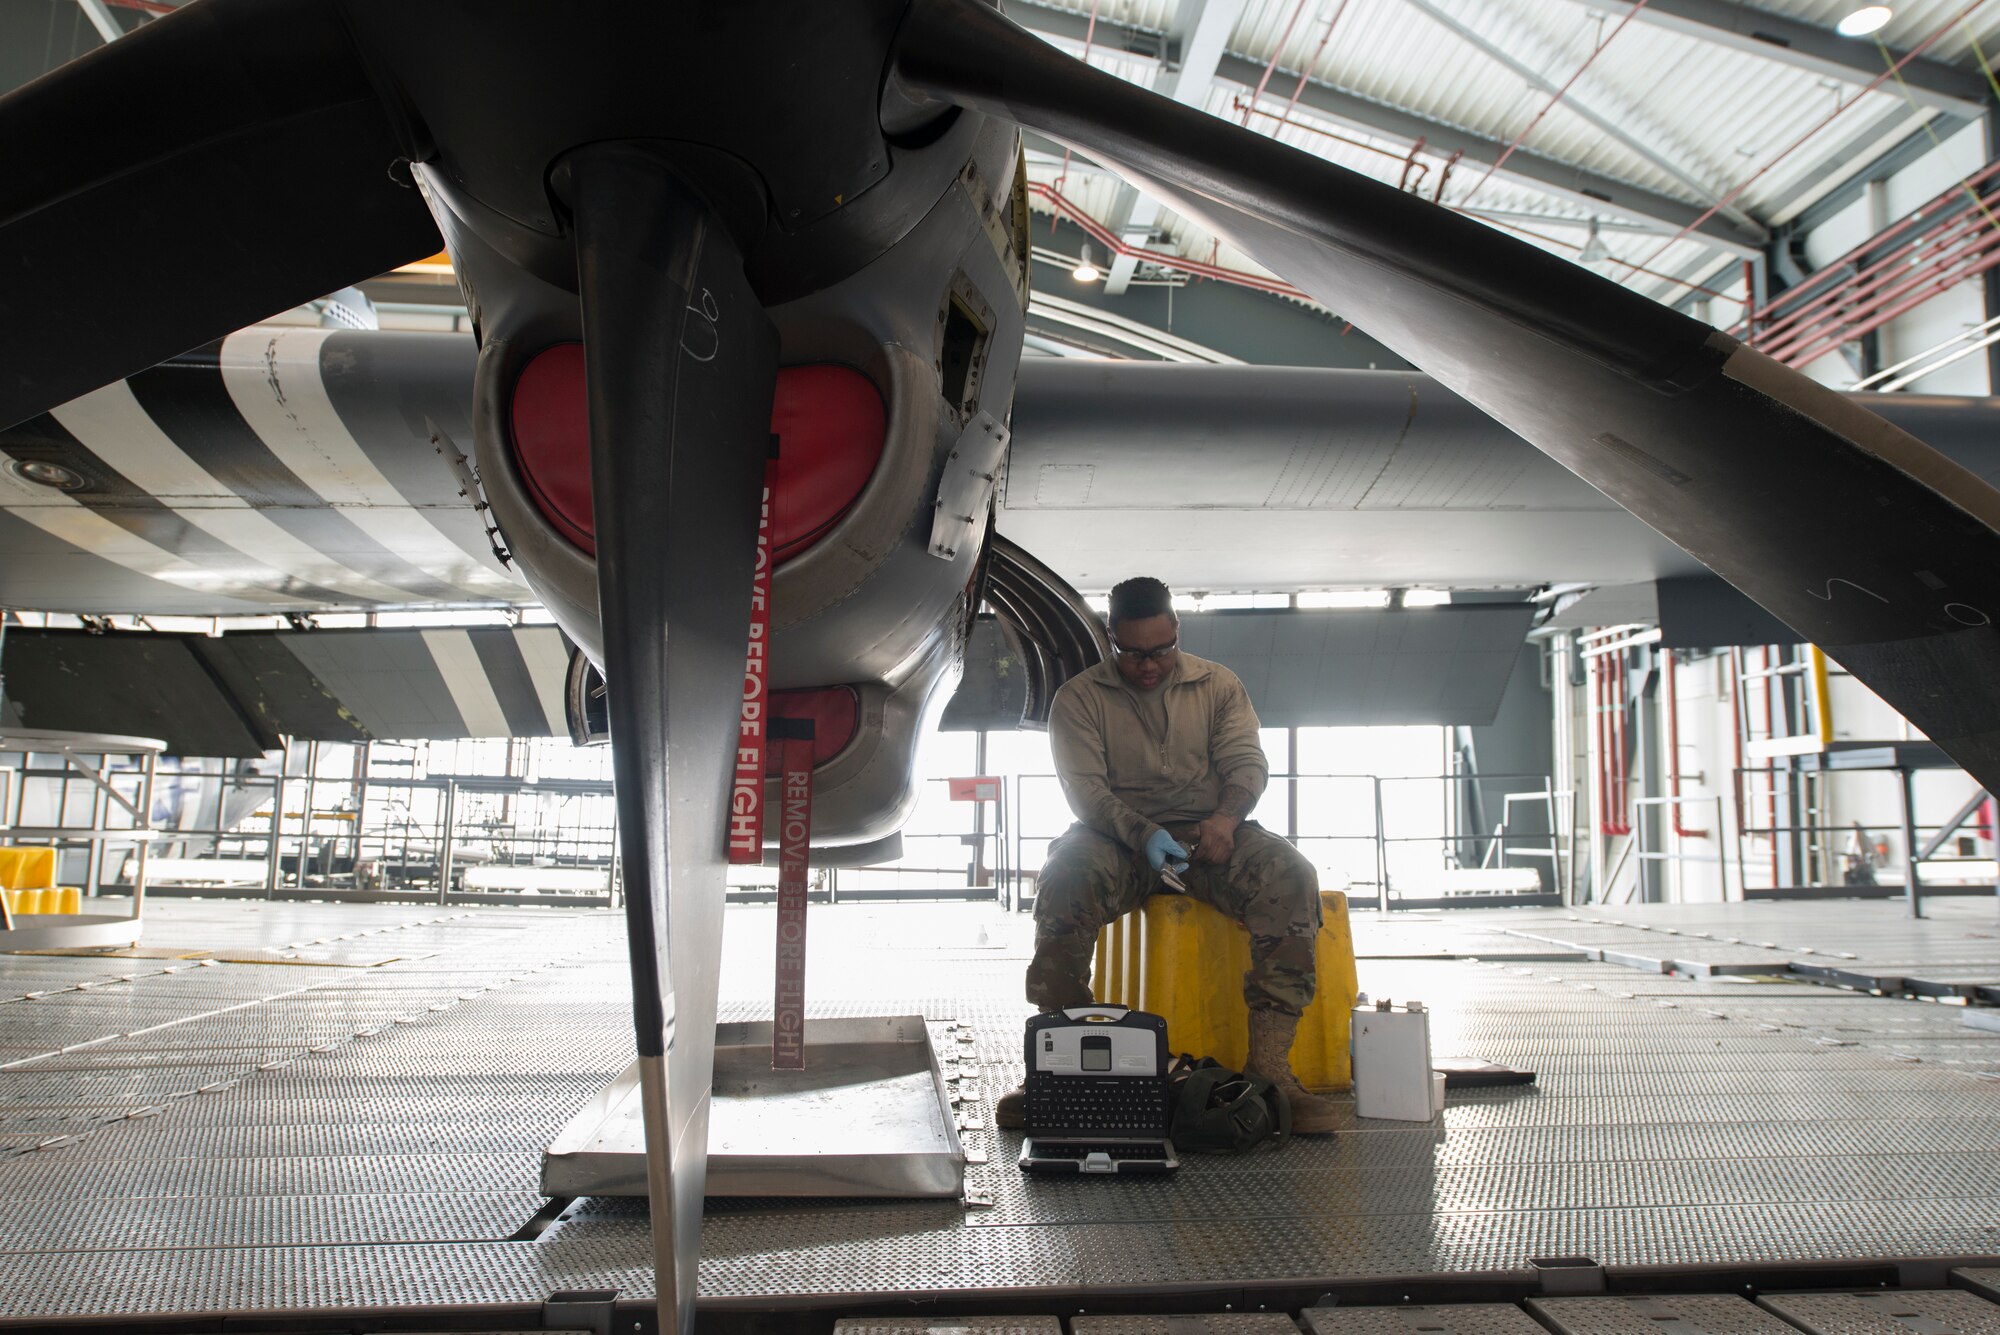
1119	1106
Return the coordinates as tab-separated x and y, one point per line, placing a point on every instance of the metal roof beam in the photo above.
101	19
1200	32
1892	141
1576	106
1582	188
1962	93
1072	28
1576	185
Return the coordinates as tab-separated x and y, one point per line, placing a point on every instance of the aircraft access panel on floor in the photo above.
299	1106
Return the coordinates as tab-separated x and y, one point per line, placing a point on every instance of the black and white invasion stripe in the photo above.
282	469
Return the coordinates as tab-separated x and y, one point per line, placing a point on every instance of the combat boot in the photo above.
1011	1112
1271	1035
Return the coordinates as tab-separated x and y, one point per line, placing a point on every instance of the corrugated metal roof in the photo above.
1667	111
1914	21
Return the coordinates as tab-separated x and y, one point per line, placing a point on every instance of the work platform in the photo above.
287	1106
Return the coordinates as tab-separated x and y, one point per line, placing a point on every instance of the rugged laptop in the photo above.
1097	1093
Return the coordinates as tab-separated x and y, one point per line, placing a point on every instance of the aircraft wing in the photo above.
289	469
1870	543
1271	477
281	469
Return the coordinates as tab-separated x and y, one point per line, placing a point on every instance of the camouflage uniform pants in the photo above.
1090	880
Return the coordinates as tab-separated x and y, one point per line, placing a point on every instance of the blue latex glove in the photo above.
1161	849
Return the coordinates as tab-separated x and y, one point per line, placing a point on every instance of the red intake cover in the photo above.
833	710
829	421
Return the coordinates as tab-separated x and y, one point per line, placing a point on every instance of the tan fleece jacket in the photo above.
1126	775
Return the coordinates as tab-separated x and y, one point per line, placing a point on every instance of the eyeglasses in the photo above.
1146	655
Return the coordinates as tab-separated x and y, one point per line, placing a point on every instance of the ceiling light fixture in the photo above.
1086	270
1865	21
1594	250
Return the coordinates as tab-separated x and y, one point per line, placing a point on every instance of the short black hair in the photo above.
1139	598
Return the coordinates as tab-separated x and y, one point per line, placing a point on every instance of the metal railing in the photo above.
1382	824
371	835
1676	856
988	871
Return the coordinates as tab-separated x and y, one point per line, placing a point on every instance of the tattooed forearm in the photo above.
1235	802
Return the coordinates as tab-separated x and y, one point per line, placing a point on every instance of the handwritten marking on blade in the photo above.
1827	597
704	345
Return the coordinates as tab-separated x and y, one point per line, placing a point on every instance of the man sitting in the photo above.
1158	755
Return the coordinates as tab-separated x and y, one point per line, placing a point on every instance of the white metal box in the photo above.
1392	1063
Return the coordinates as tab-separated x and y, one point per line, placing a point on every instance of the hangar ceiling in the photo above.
1664	143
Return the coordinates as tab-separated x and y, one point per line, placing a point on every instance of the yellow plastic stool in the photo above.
69	899
1183	960
27	868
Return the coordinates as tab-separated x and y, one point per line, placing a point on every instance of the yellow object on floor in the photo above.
45	899
27	868
1183	960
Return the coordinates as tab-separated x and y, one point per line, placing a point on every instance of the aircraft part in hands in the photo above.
682	360
829	419
1773	481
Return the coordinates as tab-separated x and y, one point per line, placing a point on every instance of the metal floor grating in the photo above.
1442	1319
259	1136
1920	1313
1677	1314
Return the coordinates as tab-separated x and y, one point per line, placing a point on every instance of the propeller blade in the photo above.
219	165
682	364
1874	546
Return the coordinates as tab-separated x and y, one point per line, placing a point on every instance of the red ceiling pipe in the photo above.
1930	254
1887	269
1276	51
1894	267
1600	721
1089	36
1409	160
1674	747
1305	70
1982	257
1829	278
1104	236
1606	671
1771	762
1942	285
1337	137
1560	94
1750	301
1865	296
1621	752
1736	723
1791	148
